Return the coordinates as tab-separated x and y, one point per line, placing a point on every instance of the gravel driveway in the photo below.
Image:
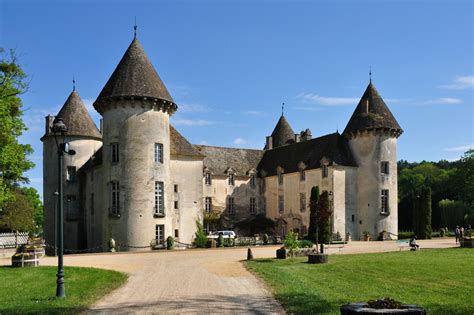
197	281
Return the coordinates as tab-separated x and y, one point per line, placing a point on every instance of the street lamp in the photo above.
59	130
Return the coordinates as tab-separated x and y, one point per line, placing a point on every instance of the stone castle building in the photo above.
138	180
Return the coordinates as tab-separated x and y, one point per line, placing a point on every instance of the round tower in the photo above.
136	107
372	132
85	139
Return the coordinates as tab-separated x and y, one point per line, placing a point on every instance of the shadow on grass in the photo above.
304	303
52	310
267	260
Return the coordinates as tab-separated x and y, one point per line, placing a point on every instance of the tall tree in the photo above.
425	213
18	213
464	178
313	216
323	218
13	155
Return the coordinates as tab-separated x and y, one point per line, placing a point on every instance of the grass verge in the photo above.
32	290
439	280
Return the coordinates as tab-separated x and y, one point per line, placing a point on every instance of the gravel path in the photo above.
198	281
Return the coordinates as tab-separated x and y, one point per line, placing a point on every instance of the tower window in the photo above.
281	204
231	205
208	204
252	205
158	152
71	208
231	180
71	173
384	201
175	188
353	218
302	202
384	168
176	233
159	209
114	198
176	204
114	152
207	178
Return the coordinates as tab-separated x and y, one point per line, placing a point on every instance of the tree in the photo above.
13	155
425	213
291	243
200	237
18	213
464	178
313	217
323	219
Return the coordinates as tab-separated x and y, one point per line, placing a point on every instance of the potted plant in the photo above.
366	236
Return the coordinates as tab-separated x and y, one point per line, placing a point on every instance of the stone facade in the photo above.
138	181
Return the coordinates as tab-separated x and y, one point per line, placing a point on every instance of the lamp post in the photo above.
59	129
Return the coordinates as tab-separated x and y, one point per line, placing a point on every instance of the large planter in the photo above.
25	260
281	253
317	258
467	242
362	308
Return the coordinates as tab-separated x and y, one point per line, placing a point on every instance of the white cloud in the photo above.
203	142
310	109
462	148
192	108
254	113
460	83
239	141
192	122
444	101
328	100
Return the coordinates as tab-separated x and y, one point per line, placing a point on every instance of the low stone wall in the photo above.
302	252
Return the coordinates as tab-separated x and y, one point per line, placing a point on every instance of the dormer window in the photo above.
302	175
253	180
280	179
231	179
208	178
325	171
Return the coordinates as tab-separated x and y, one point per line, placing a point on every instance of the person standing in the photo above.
457	233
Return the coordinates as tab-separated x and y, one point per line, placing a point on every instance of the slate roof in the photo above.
134	76
219	159
283	134
77	118
180	146
377	117
333	146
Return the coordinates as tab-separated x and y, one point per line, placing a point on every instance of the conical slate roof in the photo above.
372	113
77	118
135	77
282	134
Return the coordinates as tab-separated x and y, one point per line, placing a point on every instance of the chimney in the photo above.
269	145
49	123
305	135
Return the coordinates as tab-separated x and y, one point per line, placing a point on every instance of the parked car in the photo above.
225	234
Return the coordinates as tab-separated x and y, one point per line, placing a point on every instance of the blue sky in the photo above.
230	64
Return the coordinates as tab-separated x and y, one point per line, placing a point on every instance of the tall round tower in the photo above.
136	107
85	139
372	132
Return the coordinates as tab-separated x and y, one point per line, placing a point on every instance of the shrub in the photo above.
200	237
169	242
442	232
425	207
291	243
324	215
220	241
265	239
229	242
305	244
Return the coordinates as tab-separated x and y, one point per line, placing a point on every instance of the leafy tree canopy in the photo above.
13	155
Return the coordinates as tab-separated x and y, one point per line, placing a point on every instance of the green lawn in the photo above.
441	281
32	290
